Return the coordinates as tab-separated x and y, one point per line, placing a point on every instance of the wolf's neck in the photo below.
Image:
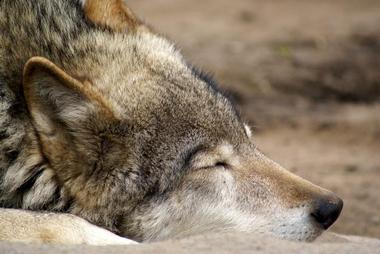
26	181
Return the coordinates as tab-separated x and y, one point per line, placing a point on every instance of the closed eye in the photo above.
192	153
200	158
217	165
222	164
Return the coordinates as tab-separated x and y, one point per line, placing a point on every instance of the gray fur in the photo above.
58	31
174	143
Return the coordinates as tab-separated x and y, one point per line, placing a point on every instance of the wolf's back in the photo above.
47	28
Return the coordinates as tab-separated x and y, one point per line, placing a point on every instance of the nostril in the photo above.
327	212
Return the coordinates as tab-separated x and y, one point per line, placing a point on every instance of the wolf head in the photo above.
147	147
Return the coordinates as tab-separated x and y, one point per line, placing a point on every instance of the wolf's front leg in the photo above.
34	227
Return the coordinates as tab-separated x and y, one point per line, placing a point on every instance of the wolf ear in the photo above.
57	101
113	14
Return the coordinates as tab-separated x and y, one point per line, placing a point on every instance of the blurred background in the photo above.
305	75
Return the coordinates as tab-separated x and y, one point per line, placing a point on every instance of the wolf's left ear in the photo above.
68	115
113	14
57	101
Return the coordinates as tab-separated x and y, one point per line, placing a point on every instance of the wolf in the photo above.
109	136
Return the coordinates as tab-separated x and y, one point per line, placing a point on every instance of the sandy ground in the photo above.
215	244
305	75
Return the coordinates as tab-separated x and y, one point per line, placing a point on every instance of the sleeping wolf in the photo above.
102	121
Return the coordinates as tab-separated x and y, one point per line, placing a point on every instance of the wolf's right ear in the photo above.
113	14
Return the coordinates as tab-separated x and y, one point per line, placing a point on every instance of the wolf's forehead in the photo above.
149	79
140	61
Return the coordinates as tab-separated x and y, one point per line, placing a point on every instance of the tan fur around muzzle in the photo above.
291	191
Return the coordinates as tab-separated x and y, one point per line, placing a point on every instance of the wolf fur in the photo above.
103	119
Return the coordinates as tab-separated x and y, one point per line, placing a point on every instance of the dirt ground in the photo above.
306	76
243	243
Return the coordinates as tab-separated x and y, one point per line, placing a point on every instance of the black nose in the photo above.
327	211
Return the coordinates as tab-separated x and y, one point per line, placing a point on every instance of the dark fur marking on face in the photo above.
205	76
215	88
